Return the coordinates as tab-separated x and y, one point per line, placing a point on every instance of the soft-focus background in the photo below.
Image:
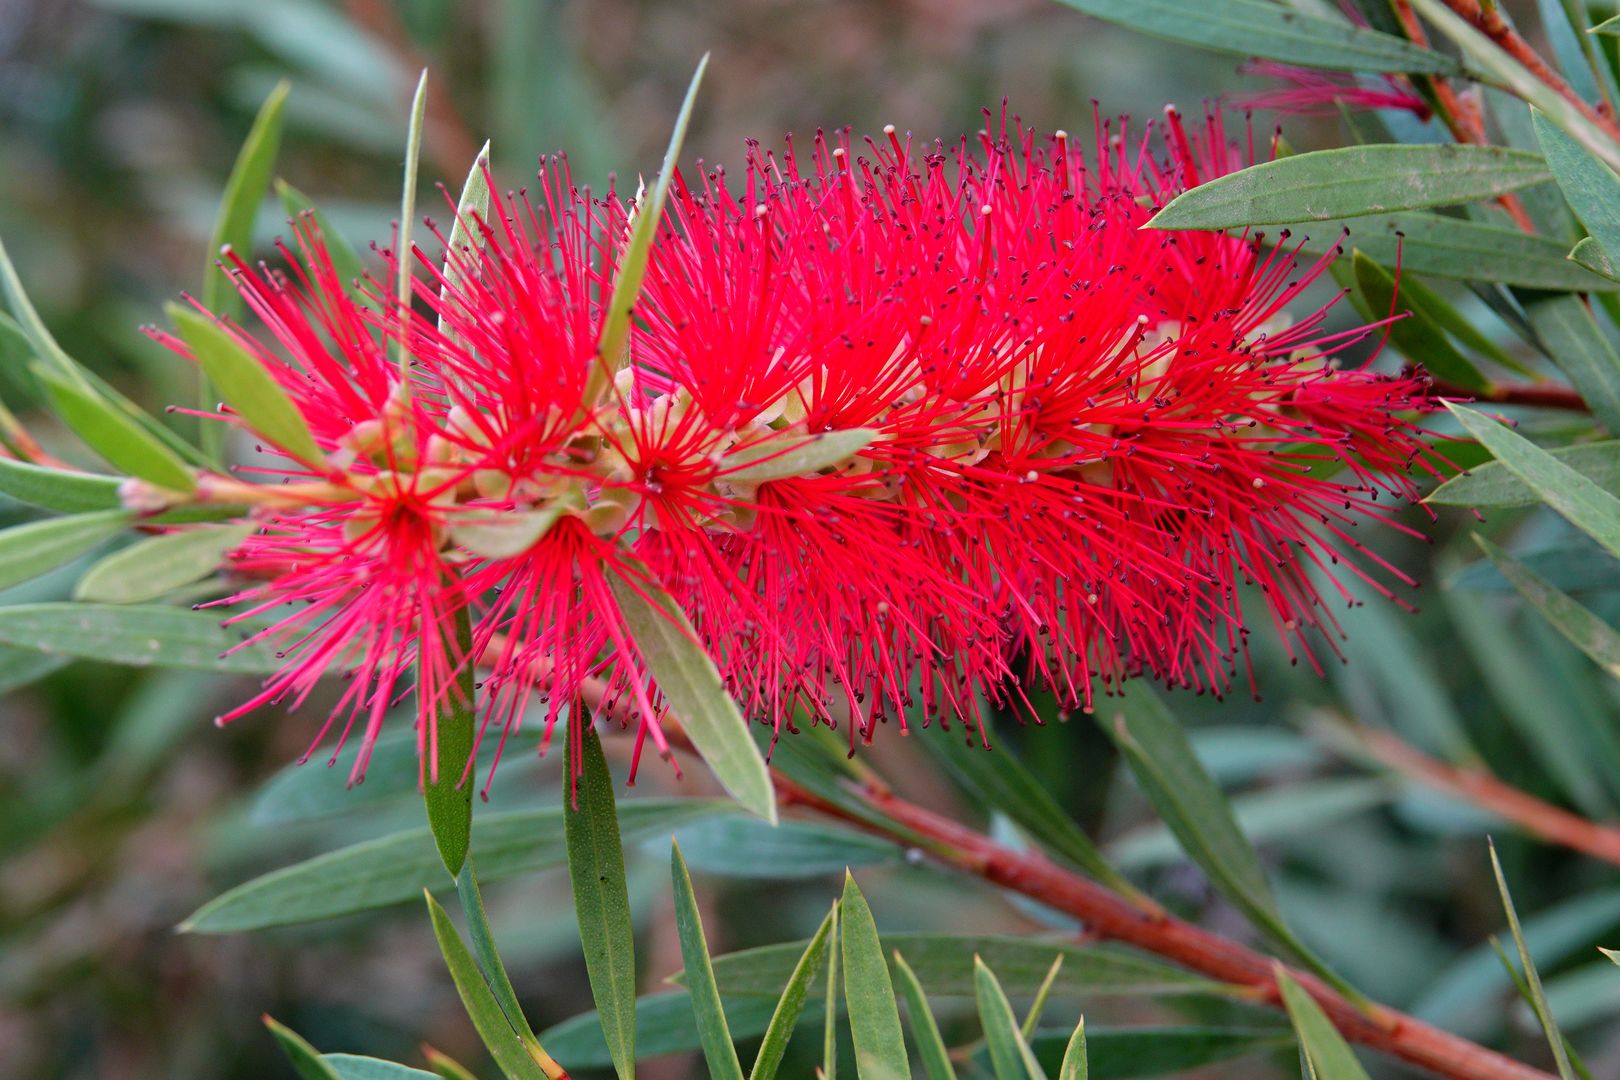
122	809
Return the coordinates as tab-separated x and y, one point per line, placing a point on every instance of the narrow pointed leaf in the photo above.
345	260
602	898
46	348
27	551
149	568
663	1026
482	1008
1269	31
718	1050
472	208
114	435
1596	638
244	193
1584	504
359	1067
689	681
446	790
1582	351
790	1006
1592	255
1591	187
306	1061
1416	335
1010	1056
506	534
1352	181
489	958
404	263
58	489
936	1057
136	635
829	1032
446	1067
1330	1056
1536	996
1075	1065
794	454
1036	1007
250	390
874	1016
1493	485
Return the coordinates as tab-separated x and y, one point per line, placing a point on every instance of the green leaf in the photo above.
1122	1053
692	686
407	214
794	454
150	568
1074	1065
632	264
1271	32
945	963
1492	485
790	1006
874	1015
447	789
997	780
22	667
1330	1056
1033	1017
244	194
602	897
1591	187
247	387
393	869
114	435
1010	1056
57	489
1418	337
1596	638
345	260
715	1036
1352	181
489	958
746	847
504	534
1193	807
1537	997
139	636
1595	257
936	1058
471	208
358	1067
27	551
482	1008
1582	351
663	1026
306	1062
1580	501
831	1007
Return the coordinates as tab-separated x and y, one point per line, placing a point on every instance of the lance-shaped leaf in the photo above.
404	263
1532	979
359	1067
831	1001
1591	187
27	551
794	453
1596	638
489	959
305	1060
715	1036
1330	1056
1418	337
1075	1065
1582	351
602	897
58	489
1010	1056
1156	1051
246	386
492	1026
663	1026
1492	485
114	435
345	260
136	635
244	192
632	263
471	209
1595	257
936	1057
452	726
504	534
1193	807
874	1015
790	1006
1584	504
1351	181
690	682
149	568
1271	32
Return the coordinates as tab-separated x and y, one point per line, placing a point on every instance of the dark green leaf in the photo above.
1418	337
114	434
1350	182
1537	997
395	868
1269	31
745	847
27	551
345	261
936	1058
1010	1056
874	1016
356	1067
1596	638
1572	338
489	958
136	635
305	1061
57	489
1591	187
244	194
452	726
1330	1056
602	897
1131	1052
1493	485
790	1006
713	1033
663	1026
689	681
482	1008
20	667
1592	255
150	568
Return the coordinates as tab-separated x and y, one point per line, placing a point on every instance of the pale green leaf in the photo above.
472	208
1074	1065
358	1067
489	957
28	551
404	261
1010	1056
713	1033
1596	638
306	1062
497	1035
1537	997
503	534
136	635
1330	1056
1572	338
1493	485
345	260
793	453
1592	255
113	434
790	1006
149	568
1590	186
936	1057
57	489
244	193
874	1016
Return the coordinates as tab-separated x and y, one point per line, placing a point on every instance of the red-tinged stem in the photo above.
1551	823
1550	396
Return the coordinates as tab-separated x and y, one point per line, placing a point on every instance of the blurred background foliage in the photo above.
123	809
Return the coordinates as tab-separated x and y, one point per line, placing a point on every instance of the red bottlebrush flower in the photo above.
894	426
1308	92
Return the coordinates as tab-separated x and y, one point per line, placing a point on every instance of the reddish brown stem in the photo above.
1547	397
1552	823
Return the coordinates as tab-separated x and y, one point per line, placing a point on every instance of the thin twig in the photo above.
1549	396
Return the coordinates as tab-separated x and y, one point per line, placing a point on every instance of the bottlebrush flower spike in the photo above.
896	426
1308	92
